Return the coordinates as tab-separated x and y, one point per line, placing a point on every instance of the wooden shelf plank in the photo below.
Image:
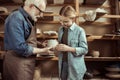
89	37
51	14
43	58
110	16
104	37
102	58
46	37
50	22
59	5
95	6
19	4
94	23
86	58
81	15
104	16
48	14
10	3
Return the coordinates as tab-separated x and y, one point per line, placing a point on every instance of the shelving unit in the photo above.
86	58
91	38
103	42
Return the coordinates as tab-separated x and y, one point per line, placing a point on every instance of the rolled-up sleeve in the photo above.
82	48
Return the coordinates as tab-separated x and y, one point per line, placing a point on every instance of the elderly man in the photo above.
20	41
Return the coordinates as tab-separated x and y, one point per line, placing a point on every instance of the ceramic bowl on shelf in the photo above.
95	53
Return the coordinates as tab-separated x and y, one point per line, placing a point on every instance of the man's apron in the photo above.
17	67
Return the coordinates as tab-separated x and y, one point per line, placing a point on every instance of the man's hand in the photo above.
42	43
48	51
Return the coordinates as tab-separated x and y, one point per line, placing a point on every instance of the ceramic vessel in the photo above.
95	53
52	43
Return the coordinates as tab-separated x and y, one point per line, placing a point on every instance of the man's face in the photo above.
65	21
37	12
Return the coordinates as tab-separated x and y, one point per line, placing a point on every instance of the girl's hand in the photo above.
62	47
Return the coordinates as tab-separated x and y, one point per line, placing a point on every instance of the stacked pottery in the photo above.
113	72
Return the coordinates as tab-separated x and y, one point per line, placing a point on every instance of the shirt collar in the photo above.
71	27
26	15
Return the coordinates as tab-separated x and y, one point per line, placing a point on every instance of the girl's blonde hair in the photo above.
68	11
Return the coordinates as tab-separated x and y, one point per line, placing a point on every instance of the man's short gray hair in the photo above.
36	2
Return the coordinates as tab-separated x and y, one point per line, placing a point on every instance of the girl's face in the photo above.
65	21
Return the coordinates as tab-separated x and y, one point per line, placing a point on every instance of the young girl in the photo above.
72	47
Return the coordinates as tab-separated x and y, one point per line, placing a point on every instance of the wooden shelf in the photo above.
110	16
42	36
89	37
48	14
104	37
95	6
94	23
43	58
10	3
19	4
59	5
102	59
51	14
86	58
104	16
49	22
81	15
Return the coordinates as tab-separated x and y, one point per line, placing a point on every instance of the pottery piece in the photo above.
95	53
52	43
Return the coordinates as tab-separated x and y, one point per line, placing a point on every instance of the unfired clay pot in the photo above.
95	53
52	43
